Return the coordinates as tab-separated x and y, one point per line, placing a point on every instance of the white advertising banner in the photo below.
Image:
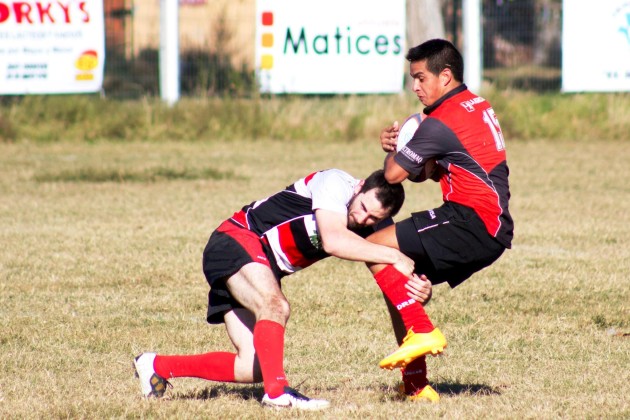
330	46
51	46
596	46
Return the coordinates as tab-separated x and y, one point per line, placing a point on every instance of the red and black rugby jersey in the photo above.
462	132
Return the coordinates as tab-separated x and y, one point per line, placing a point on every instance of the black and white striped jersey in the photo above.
286	220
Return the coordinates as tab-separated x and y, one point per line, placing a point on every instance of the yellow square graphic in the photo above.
267	40
267	62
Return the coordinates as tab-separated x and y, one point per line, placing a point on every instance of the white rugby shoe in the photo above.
152	384
293	399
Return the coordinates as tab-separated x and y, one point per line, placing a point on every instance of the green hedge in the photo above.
87	118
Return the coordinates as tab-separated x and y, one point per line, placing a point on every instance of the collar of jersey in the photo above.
459	89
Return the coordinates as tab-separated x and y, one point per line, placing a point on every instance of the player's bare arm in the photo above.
394	173
340	242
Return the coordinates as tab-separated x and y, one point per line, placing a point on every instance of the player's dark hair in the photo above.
439	54
391	196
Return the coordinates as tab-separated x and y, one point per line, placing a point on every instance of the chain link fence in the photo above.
522	45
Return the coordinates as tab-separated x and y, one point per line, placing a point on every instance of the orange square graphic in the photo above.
266	62
267	18
267	40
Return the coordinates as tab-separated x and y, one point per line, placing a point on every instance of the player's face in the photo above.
365	210
427	86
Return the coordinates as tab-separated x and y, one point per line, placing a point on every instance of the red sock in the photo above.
415	375
392	283
218	366
269	345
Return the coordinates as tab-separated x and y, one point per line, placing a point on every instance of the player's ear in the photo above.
446	76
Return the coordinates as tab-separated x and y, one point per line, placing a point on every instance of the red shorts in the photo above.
229	248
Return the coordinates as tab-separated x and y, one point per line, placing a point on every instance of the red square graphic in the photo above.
267	18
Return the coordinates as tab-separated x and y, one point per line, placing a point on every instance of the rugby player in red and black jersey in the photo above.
326	213
459	143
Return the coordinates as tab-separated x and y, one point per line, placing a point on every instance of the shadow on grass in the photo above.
446	388
245	392
456	388
256	392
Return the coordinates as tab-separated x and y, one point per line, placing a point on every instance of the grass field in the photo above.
101	260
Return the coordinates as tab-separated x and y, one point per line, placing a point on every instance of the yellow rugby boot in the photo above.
425	394
413	346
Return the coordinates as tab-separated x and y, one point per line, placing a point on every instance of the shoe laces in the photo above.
294	393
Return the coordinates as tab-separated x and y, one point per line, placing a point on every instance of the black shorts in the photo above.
229	248
448	244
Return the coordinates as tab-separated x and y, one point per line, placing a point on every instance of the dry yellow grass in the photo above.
92	273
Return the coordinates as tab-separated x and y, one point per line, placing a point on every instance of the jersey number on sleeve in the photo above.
490	118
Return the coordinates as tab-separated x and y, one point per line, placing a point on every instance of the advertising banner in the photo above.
596	46
330	46
51	46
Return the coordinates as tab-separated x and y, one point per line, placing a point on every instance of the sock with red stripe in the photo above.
392	283
269	345
217	366
414	375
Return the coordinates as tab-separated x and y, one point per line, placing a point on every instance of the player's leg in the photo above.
258	290
238	367
392	282
241	366
240	323
229	248
453	243
153	369
415	384
422	338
